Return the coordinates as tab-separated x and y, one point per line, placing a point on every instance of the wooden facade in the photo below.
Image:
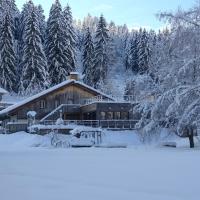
71	95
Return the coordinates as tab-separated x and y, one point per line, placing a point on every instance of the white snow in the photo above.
95	173
11	99
59	121
2	91
23	140
31	113
78	129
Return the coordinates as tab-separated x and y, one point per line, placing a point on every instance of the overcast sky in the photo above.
134	13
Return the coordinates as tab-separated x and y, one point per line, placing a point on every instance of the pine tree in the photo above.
27	8
88	59
55	46
101	53
112	29
8	78
42	22
79	34
70	37
34	65
133	55
143	52
91	23
10	6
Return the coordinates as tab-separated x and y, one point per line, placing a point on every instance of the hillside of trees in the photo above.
36	53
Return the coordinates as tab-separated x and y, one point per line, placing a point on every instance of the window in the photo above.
109	115
124	115
117	115
42	104
103	115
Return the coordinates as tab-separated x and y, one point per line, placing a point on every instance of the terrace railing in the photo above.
108	124
121	99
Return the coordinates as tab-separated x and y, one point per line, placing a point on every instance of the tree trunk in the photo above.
191	139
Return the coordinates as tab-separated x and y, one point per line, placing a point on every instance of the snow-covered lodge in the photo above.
74	102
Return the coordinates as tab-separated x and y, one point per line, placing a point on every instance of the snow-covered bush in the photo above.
178	108
144	111
31	114
59	121
164	109
31	121
140	86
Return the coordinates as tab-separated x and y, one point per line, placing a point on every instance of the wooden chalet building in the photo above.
72	100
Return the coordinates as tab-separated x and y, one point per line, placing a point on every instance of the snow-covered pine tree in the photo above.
70	36
79	34
112	43
152	46
133	60
42	22
8	78
88	59
101	60
27	8
143	52
34	65
55	46
91	23
10	6
112	29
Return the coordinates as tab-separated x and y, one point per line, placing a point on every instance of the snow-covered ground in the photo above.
138	172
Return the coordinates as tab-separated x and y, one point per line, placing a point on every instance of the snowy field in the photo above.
138	172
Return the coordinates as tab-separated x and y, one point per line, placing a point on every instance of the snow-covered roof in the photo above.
65	83
2	91
11	99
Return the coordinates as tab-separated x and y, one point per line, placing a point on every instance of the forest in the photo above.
37	53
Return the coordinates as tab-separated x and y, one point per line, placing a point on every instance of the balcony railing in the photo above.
121	99
108	124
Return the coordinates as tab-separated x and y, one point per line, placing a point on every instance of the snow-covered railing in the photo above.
121	99
52	112
98	98
125	98
118	124
112	124
60	108
92	123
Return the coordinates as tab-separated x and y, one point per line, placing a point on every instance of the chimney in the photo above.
74	76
